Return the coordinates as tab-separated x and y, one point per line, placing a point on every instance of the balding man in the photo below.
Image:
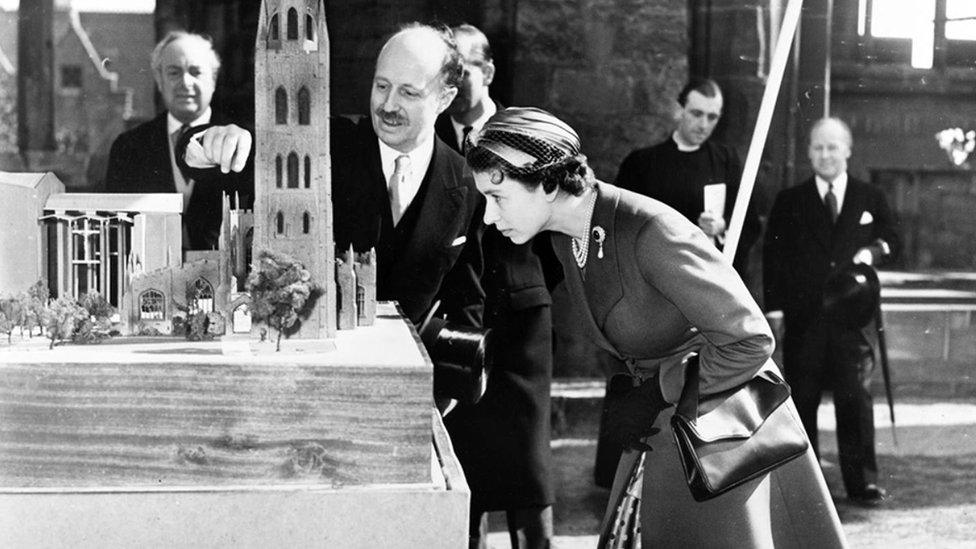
815	229
473	105
142	160
400	189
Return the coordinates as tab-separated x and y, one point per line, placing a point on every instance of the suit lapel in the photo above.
441	207
814	214
850	213
159	141
600	290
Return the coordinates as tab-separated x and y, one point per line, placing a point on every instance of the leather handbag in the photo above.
729	438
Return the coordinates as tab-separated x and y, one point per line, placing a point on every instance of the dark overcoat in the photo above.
139	162
440	257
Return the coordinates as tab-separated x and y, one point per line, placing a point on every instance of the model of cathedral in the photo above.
128	247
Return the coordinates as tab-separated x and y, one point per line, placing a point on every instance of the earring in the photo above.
496	176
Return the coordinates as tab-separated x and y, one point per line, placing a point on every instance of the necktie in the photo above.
464	139
830	201
401	171
175	138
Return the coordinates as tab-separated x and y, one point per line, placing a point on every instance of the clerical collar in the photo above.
682	147
490	110
172	124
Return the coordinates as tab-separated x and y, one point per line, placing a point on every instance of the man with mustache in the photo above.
398	188
142	160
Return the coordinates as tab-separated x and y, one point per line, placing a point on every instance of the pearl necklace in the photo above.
581	251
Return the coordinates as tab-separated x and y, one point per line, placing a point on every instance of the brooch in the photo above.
599	235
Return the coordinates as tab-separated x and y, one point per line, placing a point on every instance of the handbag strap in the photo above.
688	403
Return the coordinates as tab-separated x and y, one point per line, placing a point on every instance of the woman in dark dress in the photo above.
652	290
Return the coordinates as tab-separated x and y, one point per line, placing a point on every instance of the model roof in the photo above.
117	202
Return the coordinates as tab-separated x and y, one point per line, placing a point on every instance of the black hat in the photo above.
851	295
460	357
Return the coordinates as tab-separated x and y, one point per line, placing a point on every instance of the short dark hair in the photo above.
480	41
452	69
704	86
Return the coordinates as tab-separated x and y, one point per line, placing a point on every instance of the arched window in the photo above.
152	305
304	107
306	222
280	223
274	33
309	28
281	106
203	296
292	171
279	168
308	172
292	24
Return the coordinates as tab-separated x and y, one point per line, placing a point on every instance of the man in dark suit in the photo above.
677	170
473	105
142	160
815	229
503	441
398	188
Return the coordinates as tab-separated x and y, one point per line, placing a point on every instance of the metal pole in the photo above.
766	108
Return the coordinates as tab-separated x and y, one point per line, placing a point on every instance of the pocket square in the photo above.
866	218
459	240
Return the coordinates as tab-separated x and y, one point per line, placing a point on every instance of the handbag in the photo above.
729	438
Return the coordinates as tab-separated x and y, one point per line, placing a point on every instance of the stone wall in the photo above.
611	69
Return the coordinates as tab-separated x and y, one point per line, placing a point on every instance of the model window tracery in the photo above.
274	33
281	106
292	170
152	305
304	106
292	24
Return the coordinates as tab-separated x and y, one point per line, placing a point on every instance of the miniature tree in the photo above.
282	293
96	325
34	303
60	318
195	325
11	313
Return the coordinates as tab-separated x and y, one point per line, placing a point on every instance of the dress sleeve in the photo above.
677	259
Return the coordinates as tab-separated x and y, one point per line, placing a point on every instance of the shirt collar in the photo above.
172	124
840	185
490	110
419	157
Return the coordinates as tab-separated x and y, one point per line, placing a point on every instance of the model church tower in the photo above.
292	182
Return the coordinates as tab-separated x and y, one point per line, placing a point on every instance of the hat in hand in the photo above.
851	295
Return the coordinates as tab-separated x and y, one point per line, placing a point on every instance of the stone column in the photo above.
35	77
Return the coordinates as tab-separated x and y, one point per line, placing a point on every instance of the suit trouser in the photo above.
528	528
829	356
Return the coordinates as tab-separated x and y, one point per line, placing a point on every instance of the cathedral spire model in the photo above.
292	183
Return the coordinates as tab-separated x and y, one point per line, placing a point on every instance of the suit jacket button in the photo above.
833	264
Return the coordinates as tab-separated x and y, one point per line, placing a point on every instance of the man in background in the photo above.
503	441
686	169
473	105
143	160
816	230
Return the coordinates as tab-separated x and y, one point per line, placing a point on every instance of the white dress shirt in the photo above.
476	126
840	188
420	159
